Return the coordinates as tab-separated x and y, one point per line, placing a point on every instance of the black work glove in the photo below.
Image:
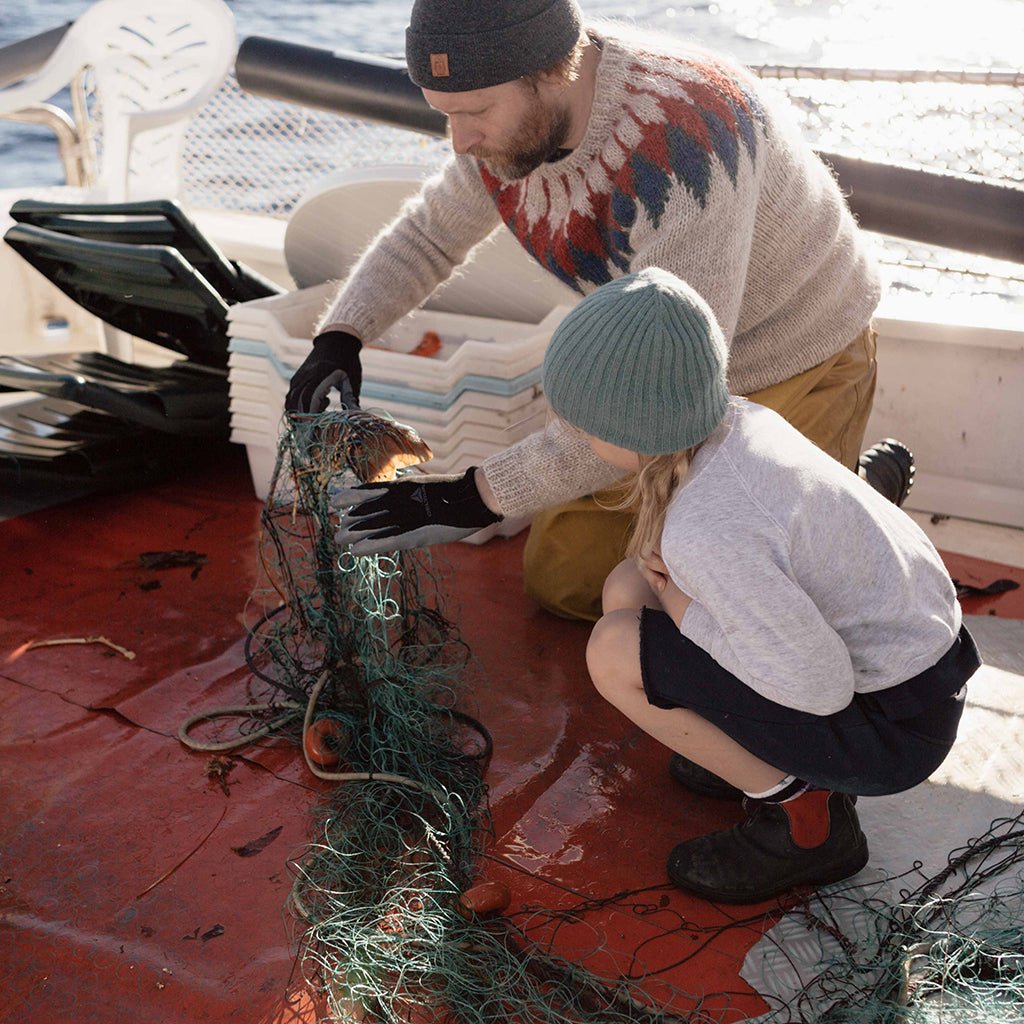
411	513
332	351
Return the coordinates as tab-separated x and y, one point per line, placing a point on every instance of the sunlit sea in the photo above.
853	33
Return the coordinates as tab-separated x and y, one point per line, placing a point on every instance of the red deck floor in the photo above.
122	896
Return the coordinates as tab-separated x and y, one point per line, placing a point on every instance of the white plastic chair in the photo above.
152	64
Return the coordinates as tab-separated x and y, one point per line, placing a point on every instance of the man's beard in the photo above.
541	135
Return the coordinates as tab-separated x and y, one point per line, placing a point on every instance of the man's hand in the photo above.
332	351
411	513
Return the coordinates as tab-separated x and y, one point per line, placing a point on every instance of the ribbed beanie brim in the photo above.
639	363
459	45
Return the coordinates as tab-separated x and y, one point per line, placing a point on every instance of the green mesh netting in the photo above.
359	664
386	891
950	951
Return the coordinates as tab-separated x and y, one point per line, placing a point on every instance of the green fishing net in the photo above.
948	951
360	665
386	895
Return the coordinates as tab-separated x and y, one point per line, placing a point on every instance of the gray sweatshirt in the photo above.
807	584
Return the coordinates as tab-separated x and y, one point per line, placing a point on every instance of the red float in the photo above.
322	741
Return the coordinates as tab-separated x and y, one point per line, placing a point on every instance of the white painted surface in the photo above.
953	392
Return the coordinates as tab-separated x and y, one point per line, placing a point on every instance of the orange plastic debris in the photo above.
430	344
485	899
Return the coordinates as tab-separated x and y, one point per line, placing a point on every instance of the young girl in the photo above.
781	626
787	632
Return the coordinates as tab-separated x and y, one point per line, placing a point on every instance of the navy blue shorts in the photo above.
882	742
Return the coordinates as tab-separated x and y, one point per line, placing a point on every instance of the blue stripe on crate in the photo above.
504	387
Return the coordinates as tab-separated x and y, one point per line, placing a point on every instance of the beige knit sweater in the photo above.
686	164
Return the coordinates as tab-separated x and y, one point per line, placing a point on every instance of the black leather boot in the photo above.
813	839
889	467
700	780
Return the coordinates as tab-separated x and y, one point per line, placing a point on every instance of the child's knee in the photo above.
622	587
613	651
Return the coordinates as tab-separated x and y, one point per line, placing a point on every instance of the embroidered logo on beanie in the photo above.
639	363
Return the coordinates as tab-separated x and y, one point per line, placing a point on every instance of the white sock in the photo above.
785	789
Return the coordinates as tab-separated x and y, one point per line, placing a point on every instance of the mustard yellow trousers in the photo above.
571	548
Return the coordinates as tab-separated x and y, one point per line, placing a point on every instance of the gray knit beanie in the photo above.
459	45
639	363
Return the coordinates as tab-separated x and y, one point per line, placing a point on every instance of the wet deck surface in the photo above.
122	891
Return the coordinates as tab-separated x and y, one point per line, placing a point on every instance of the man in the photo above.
605	156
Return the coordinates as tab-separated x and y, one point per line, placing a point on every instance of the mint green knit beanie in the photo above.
639	363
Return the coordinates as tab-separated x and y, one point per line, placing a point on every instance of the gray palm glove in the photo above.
411	513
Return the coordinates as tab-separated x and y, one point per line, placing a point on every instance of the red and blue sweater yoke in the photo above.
676	122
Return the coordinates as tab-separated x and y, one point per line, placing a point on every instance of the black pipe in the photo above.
26	56
949	210
374	88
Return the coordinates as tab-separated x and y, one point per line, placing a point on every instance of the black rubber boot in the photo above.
889	467
813	840
700	780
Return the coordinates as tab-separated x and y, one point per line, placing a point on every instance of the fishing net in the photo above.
365	670
948	950
359	663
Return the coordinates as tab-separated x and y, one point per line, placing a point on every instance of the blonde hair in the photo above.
650	492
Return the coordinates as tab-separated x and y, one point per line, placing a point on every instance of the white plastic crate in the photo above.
448	456
258	391
461	436
477	395
477	407
464	414
249	416
478	346
396	385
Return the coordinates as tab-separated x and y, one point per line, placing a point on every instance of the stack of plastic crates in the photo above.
473	391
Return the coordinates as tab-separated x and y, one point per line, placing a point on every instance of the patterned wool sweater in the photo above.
685	164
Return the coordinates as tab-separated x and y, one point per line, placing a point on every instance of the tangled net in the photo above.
950	951
365	669
362	667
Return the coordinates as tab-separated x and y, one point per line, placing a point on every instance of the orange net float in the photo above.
322	742
485	899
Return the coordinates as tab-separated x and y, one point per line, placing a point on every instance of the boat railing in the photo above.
951	76
915	177
938	160
977	207
69	142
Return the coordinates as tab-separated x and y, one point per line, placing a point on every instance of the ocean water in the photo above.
854	33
